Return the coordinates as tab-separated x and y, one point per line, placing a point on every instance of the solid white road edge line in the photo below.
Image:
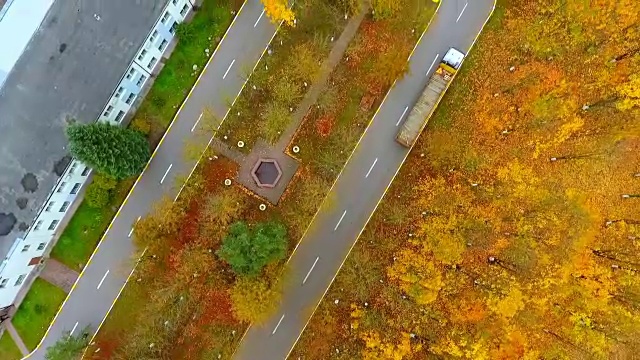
259	17
462	12
165	173
401	116
276	328
310	270
197	121
101	281
74	329
229	68
339	221
432	63
371	168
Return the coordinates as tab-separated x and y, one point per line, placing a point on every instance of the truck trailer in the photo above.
428	100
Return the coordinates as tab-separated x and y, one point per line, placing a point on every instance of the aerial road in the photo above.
108	269
362	183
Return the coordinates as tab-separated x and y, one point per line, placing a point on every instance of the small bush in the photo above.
99	191
141	124
276	119
254	300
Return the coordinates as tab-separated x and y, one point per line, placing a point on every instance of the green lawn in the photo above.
87	225
85	229
177	77
8	348
36	311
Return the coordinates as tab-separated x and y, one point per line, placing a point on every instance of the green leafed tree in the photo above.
249	250
112	150
68	347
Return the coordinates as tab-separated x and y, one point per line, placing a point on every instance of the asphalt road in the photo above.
360	186
107	272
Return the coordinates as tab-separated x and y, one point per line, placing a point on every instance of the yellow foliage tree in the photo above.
379	349
279	10
629	93
254	299
508	306
416	274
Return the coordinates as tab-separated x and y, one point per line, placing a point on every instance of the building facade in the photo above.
26	252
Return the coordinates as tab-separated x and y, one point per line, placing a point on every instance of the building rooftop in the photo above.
67	71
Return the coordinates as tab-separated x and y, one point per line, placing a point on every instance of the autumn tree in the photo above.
416	274
279	10
222	207
248	250
110	149
255	299
160	225
629	93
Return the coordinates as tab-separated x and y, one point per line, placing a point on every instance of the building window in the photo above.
141	80
174	2
53	224
38	225
3	283
41	246
107	111
165	18
130	98
65	206
73	167
75	188
20	279
49	206
119	92
143	53
184	10
26	248
131	73
153	37
152	62
61	186
163	45
119	116
173	27
85	172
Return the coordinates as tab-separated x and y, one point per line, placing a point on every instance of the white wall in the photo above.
56	209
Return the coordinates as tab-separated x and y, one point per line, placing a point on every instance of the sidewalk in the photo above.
16	338
59	275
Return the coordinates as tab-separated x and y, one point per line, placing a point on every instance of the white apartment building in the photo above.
23	258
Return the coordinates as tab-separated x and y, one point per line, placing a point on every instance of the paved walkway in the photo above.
314	92
261	149
59	274
18	340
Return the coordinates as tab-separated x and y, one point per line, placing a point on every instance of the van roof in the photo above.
453	58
